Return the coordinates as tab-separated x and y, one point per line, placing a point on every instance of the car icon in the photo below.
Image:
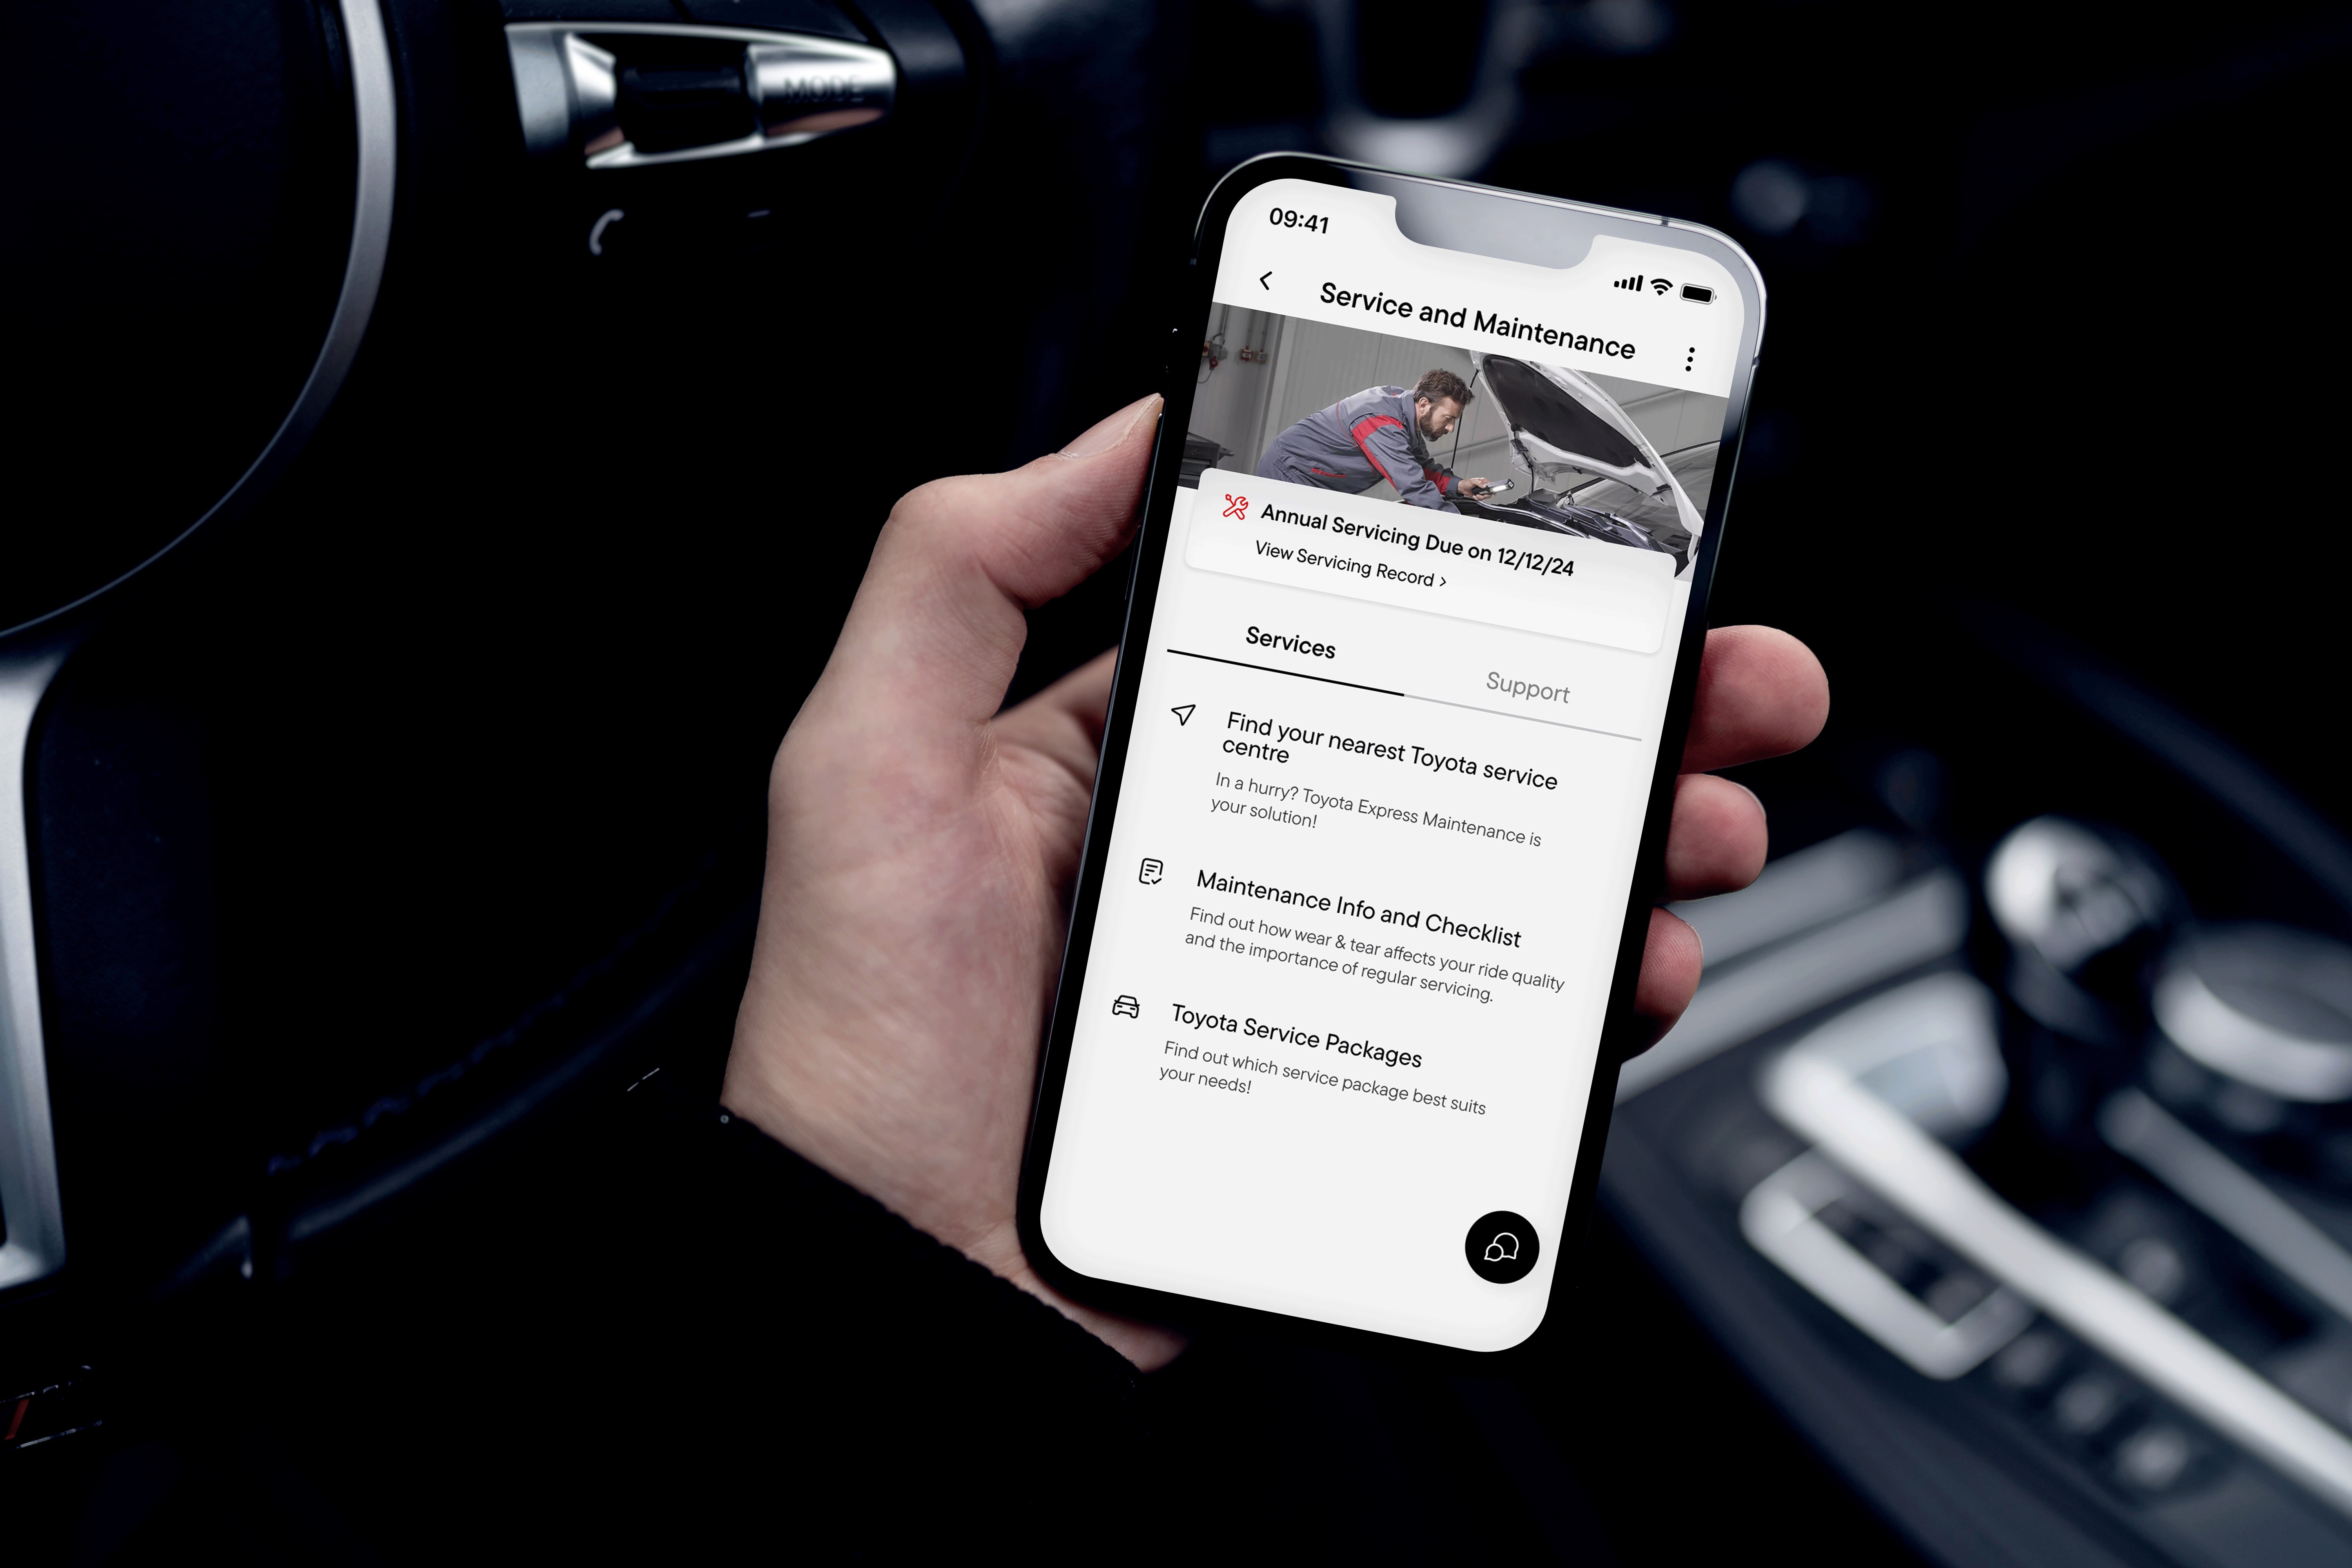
1126	1007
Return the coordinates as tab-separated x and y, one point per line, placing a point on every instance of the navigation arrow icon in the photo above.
1183	715
1263	283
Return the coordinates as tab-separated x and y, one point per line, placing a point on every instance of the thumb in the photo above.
938	624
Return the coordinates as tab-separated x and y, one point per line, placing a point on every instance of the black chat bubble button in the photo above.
1502	1248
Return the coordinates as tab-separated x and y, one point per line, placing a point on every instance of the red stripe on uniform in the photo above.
1373	422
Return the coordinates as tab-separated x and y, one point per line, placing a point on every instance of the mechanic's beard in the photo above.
1427	434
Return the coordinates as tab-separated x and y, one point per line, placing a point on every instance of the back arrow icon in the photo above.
1263	283
1183	715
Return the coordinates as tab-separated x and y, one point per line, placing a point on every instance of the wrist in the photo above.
1149	1345
992	1243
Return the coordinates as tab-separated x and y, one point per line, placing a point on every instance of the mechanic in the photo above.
1379	433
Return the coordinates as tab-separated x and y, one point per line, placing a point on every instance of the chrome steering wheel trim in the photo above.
31	1202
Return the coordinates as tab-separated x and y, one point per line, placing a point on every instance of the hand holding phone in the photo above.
913	1081
890	1030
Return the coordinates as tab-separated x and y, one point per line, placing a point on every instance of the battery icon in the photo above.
1692	291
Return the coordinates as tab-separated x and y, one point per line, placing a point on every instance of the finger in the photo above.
1671	960
938	622
1064	721
1762	693
1716	839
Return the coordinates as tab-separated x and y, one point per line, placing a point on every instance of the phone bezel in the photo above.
1421	202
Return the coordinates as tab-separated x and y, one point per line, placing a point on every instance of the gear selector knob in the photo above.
2082	910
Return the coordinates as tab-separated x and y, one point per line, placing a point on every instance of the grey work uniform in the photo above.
1358	442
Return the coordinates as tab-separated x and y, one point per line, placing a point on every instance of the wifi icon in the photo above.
1660	284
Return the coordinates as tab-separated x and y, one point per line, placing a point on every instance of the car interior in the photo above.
450	432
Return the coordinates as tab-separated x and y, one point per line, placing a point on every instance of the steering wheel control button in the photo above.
1502	1248
626	94
602	227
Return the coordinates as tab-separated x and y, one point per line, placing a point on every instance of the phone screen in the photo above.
1338	1014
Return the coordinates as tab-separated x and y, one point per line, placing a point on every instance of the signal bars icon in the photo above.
1638	282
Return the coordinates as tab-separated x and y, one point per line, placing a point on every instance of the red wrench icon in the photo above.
1238	506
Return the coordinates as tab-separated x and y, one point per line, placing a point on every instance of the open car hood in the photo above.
1559	415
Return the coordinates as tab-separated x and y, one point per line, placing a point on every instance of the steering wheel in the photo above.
431	417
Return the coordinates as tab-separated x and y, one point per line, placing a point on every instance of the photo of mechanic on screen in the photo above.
1402	420
1382	433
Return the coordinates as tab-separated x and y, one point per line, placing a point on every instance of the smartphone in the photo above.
1384	790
